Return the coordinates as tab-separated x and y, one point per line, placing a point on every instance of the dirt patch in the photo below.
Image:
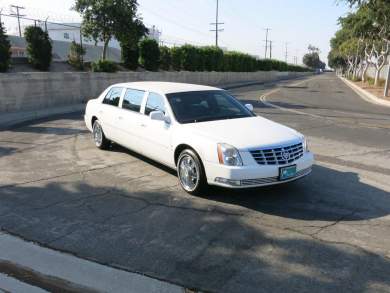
375	90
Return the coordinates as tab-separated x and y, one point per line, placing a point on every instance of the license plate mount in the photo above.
287	172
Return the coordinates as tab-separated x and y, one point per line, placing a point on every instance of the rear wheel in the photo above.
191	173
98	136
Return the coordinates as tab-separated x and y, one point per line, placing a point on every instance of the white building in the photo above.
69	32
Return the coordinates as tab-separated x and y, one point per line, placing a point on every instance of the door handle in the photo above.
120	117
143	125
100	112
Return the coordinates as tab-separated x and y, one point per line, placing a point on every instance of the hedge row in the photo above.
192	58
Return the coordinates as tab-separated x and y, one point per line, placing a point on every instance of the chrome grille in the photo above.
278	156
270	180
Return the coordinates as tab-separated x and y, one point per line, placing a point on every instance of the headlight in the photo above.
305	145
228	155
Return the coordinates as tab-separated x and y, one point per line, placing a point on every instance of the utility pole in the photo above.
270	49
286	54
18	15
266	41
217	24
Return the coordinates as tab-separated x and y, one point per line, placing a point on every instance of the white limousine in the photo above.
203	132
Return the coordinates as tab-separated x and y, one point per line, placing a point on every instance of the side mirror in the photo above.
159	116
249	107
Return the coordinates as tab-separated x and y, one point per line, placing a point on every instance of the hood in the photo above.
246	133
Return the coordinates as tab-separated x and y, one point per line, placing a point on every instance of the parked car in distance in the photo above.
203	132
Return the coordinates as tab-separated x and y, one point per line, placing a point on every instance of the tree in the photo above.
130	55
38	47
129	40
312	59
75	57
149	54
376	27
105	19
5	53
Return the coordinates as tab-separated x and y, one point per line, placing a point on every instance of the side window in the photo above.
155	103
113	96
133	100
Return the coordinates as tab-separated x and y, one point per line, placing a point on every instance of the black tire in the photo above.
101	142
201	181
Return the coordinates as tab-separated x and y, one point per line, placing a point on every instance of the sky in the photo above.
295	22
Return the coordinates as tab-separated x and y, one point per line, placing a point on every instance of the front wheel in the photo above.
191	173
98	136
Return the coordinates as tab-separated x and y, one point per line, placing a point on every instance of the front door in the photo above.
156	134
130	120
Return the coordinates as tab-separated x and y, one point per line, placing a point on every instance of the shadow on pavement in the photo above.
56	130
197	242
6	151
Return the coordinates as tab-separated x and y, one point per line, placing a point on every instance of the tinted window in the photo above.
113	96
133	100
191	107
155	103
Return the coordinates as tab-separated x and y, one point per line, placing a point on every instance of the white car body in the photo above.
162	140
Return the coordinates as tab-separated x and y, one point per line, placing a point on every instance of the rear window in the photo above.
113	96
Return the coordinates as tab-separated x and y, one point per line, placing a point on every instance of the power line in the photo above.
217	30
18	15
266	41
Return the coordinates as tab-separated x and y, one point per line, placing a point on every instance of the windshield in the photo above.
201	106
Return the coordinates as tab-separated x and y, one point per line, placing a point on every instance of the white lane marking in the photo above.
263	99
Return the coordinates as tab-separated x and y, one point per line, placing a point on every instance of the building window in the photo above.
66	36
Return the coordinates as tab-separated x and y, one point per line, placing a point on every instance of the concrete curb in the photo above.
74	272
365	95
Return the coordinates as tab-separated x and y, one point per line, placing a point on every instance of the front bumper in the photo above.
254	175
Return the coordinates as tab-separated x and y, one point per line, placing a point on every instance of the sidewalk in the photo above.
27	267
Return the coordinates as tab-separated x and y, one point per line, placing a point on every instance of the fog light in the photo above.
228	181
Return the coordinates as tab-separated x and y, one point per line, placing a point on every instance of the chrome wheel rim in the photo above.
188	173
97	134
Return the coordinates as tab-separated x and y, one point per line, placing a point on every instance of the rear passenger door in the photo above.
109	112
130	119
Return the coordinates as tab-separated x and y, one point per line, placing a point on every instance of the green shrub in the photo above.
104	66
5	53
38	47
149	54
75	57
212	58
190	59
130	55
176	55
239	62
165	58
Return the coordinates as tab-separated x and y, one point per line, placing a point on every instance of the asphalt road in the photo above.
327	232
